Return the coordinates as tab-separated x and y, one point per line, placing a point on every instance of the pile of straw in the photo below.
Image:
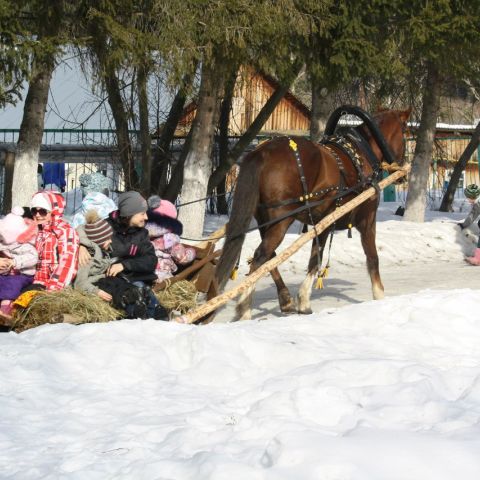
180	296
52	307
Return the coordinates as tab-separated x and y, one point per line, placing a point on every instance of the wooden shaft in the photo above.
185	273
262	271
213	237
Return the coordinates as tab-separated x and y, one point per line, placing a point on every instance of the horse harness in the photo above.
348	143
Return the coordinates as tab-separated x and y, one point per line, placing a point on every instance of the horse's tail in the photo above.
245	202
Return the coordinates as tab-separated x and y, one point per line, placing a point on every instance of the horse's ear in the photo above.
380	109
405	114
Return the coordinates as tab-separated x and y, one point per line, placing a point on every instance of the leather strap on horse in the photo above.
303	180
369	122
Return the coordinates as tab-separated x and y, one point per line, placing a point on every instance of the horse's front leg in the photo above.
367	229
305	290
243	309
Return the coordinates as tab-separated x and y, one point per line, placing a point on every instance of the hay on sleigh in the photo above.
180	296
56	307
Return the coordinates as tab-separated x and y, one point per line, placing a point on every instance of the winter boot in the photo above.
160	313
475	260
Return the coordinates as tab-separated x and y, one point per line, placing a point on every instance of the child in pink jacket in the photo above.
164	230
18	256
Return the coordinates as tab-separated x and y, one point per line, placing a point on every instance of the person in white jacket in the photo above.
472	193
18	256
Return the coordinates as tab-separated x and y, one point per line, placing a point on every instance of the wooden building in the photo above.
252	90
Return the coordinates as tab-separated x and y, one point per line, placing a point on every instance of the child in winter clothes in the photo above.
18	256
96	237
96	201
135	258
164	230
472	192
56	243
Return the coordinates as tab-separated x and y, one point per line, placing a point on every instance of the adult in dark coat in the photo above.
130	242
135	256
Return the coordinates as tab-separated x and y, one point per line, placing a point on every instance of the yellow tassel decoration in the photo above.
292	145
324	274
234	274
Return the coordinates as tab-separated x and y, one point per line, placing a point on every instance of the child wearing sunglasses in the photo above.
57	243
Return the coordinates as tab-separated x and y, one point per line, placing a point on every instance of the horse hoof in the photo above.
289	306
305	311
289	309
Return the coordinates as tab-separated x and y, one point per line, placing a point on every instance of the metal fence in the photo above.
94	150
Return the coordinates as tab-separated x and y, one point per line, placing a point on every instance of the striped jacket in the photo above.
57	246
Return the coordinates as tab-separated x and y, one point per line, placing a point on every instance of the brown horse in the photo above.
270	188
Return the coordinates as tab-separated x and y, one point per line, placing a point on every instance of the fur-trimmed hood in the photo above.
158	224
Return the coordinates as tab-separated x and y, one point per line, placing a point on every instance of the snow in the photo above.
381	390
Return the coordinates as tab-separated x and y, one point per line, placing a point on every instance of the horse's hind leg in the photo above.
285	299
271	239
367	229
305	290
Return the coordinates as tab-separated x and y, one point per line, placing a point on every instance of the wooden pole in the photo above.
213	237
262	271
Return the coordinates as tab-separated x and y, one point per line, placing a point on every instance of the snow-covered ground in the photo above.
373	390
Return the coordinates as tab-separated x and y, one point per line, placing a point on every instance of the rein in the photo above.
349	140
345	192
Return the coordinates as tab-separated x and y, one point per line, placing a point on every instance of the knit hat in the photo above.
131	203
40	200
96	229
163	214
94	182
51	201
472	191
13	225
162	207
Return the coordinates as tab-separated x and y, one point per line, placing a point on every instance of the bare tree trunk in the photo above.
160	166
31	131
322	105
175	185
121	128
447	200
145	139
223	146
198	162
7	187
250	134
418	181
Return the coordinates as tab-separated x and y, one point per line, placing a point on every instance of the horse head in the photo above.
393	125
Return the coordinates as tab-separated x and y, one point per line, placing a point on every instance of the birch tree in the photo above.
47	22
198	161
260	33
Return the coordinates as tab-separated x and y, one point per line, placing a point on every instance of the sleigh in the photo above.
200	274
203	273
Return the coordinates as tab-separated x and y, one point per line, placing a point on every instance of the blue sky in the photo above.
70	101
